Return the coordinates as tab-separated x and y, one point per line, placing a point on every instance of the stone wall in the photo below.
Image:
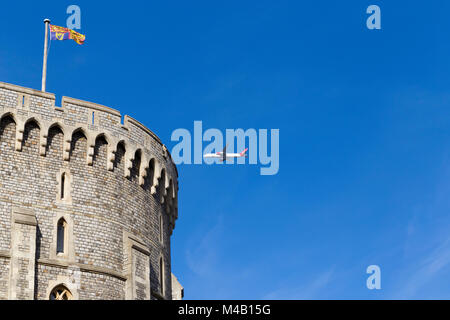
4	276
109	182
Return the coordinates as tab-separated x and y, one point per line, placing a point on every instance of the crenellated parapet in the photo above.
95	121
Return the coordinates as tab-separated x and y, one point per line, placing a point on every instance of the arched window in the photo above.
63	183
63	190
161	275
61	234
60	293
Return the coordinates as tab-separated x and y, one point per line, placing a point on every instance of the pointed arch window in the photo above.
64	180
62	246
63	183
60	293
61	236
161	275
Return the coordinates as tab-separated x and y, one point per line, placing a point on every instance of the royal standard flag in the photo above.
61	33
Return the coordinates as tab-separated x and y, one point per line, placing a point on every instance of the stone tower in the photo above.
87	204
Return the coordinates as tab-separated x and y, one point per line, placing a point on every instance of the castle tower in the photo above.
87	204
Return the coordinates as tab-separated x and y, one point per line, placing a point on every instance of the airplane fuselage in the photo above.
220	156
223	155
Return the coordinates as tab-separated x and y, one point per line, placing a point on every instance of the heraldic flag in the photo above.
61	33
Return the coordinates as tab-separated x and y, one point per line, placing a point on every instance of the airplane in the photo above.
223	155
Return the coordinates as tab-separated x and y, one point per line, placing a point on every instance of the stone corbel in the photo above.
129	156
169	197
175	211
43	140
156	176
67	144
90	154
20	128
165	184
111	156
171	224
174	199
143	169
164	151
90	149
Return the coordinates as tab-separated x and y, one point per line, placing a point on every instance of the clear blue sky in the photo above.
364	119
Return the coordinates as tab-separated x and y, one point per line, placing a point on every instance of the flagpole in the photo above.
44	67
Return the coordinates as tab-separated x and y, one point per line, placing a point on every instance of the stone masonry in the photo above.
87	203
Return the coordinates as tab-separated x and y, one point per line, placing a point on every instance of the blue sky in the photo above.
364	133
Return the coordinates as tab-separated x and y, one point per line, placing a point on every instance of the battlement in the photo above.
94	121
87	112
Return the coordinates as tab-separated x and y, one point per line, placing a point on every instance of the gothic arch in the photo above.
60	292
29	125
9	114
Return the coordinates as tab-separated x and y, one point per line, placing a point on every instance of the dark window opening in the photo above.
60	236
60	293
63	182
161	275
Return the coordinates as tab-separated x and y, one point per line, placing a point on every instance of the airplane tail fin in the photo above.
242	154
